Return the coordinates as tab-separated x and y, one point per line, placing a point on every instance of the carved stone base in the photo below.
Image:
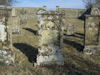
6	57
92	50
50	60
50	56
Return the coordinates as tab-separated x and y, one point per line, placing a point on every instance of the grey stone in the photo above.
6	57
50	45
92	32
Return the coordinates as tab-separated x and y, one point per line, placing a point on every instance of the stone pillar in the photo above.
6	54
50	36
92	33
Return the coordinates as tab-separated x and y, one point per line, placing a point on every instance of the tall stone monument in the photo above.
50	37
92	32
6	55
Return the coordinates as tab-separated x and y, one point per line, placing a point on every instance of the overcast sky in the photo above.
51	4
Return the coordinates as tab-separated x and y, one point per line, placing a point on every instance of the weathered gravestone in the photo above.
70	29
92	32
14	22
50	37
14	12
6	56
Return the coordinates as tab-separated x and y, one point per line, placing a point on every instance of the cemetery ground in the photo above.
25	51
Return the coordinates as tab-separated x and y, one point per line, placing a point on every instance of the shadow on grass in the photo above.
31	30
80	34
78	46
77	35
28	50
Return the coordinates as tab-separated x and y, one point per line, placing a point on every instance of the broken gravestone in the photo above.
50	37
6	55
92	32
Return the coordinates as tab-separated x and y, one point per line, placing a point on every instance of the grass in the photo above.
76	62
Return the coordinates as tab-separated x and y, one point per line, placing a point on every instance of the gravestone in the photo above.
50	37
15	22
6	55
92	32
14	12
70	29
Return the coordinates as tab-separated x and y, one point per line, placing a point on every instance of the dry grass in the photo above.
25	50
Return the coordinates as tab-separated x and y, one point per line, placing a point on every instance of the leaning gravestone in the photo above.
6	56
50	37
92	32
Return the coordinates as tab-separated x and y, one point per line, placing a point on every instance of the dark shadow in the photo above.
31	30
80	34
78	46
28	50
81	37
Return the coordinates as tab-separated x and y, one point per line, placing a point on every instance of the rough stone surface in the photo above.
95	11
50	38
92	50
14	23
6	56
92	32
5	53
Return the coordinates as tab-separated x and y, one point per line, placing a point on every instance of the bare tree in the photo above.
89	3
7	2
98	2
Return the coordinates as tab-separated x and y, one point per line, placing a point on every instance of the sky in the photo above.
51	4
